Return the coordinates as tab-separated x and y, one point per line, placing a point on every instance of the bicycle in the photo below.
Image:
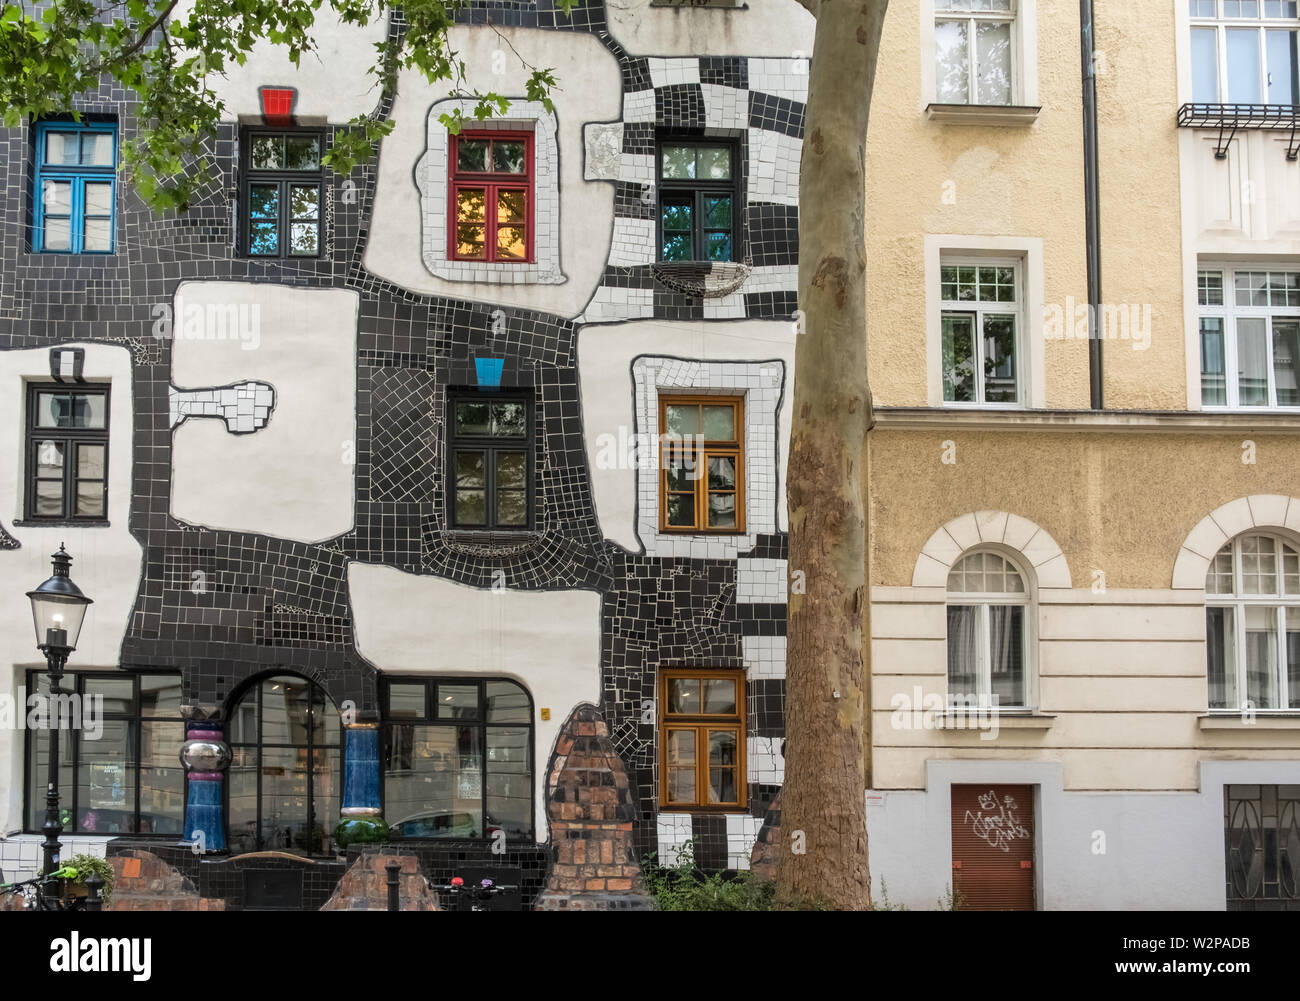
476	895
39	891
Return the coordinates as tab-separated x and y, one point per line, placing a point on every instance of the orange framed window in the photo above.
702	464
702	739
491	192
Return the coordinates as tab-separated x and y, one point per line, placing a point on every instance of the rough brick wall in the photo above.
364	887
158	887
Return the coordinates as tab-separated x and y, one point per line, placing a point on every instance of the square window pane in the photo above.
162	778
472	418
267	153
97	236
678	248
471	204
683	419
993	62
301	153
1007	654
952	62
512	243
719	423
90	499
509	157
684	698
512	468
509	420
959	358
681	747
49	498
471	240
96	149
1210	288
472	155
118	692
722	473
304	201
512	508
681	475
264	238
680	510
722	747
304	238
264	201
406	701
717	211
56	197
717	246
512	206
506	703
160	695
1283	71
471	507
681	785
1261	657
49	460
63	148
963	657
720	697
57	234
458	701
722	510
470	469
678	162
106	776
98	197
713	163
722	785
676	217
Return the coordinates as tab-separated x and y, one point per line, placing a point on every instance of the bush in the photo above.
683	887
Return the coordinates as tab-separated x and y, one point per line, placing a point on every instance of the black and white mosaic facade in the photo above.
273	604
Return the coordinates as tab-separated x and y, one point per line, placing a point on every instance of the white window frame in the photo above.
1239	602
982	602
1024	57
1221	24
1230	313
980	309
973	18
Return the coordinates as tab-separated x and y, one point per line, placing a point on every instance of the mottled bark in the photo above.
828	659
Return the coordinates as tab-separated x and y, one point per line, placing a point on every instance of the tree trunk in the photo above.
823	854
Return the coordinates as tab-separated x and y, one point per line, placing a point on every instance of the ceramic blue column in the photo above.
205	755
361	818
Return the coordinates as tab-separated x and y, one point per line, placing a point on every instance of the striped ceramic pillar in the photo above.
205	755
361	820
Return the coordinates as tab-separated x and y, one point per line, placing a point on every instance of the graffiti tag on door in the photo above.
997	822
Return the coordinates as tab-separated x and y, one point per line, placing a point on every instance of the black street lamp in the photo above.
58	610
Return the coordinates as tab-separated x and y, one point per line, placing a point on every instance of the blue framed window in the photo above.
76	177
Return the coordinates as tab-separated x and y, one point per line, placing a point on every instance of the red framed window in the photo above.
492	192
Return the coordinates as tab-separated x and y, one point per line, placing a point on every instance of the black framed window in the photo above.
119	752
282	193
286	769
699	199
490	455
67	453
458	758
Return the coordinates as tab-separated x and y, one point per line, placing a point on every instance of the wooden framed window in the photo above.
491	461
702	464
67	453
283	192
702	739
492	190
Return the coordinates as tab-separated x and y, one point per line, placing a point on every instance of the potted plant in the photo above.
85	865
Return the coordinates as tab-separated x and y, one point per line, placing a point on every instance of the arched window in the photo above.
988	641
286	768
1252	633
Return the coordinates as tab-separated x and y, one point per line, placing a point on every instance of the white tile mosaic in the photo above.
764	657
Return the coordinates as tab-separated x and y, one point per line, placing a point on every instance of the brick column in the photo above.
591	809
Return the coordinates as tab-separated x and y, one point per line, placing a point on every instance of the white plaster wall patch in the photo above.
604	148
432	180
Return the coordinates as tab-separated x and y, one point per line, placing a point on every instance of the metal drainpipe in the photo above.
1092	201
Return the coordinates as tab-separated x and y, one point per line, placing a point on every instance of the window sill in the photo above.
62	524
1260	721
976	719
1005	115
468	540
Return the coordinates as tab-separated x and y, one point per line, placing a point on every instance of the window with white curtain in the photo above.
1250	337
974	51
988	639
1252	615
1245	51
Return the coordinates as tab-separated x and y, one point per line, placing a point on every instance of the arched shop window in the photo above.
458	759
286	768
